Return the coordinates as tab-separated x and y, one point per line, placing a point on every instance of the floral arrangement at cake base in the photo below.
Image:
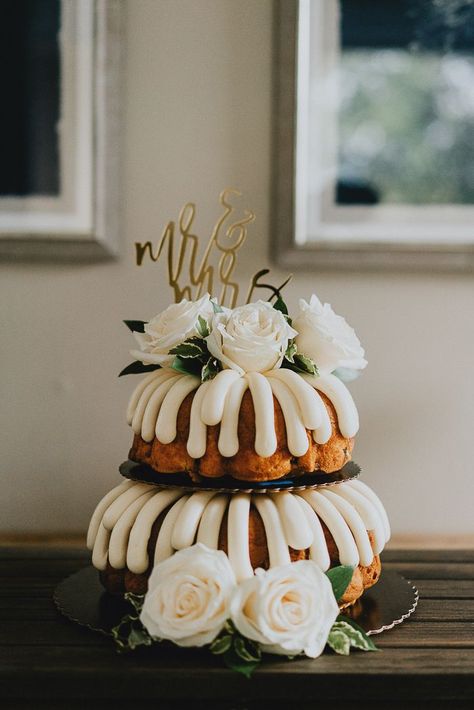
194	600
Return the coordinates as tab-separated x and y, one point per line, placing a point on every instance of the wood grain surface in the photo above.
47	661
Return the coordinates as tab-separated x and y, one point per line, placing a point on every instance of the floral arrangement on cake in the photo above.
194	600
201	338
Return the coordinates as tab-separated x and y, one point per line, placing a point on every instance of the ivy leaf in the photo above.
247	650
138	367
130	633
305	364
202	327
136	326
339	642
291	351
210	369
340	578
189	349
187	366
344	636
221	644
280	305
367	641
235	663
136	600
215	307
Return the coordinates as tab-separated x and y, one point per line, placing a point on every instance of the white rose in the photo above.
251	338
288	610
327	339
188	596
170	328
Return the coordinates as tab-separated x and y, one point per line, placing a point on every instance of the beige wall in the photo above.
197	117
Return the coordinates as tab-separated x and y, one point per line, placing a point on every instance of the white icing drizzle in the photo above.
298	533
310	403
119	537
164	548
121	525
228	444
319	549
197	439
184	531
137	392
165	429
262	395
278	551
213	405
296	436
143	401
356	525
238	536
154	406
137	555
369	493
100	510
337	392
329	514
210	525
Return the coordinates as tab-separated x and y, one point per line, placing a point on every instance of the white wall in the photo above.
197	117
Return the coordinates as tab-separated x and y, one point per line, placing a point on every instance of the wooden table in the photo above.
49	662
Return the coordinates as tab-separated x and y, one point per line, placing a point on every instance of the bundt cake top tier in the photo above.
155	403
122	524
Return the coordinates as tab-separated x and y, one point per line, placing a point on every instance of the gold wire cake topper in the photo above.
182	250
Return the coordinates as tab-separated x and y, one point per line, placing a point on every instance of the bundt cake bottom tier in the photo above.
246	465
136	526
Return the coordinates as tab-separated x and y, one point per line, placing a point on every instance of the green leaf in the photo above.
235	663
137	367
189	349
210	369
291	351
130	633
280	305
339	642
305	364
340	578
221	644
136	600
246	650
136	326
215	307
202	327
186	366
367	641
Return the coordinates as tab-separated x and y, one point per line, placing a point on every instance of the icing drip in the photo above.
329	514
154	406
319	549
152	409
164	548
296	436
228	444
137	555
137	392
121	524
310	403
238	536
197	439
167	418
213	405
265	437
278	552
337	392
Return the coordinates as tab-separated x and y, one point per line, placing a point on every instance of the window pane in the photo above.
29	61
406	112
